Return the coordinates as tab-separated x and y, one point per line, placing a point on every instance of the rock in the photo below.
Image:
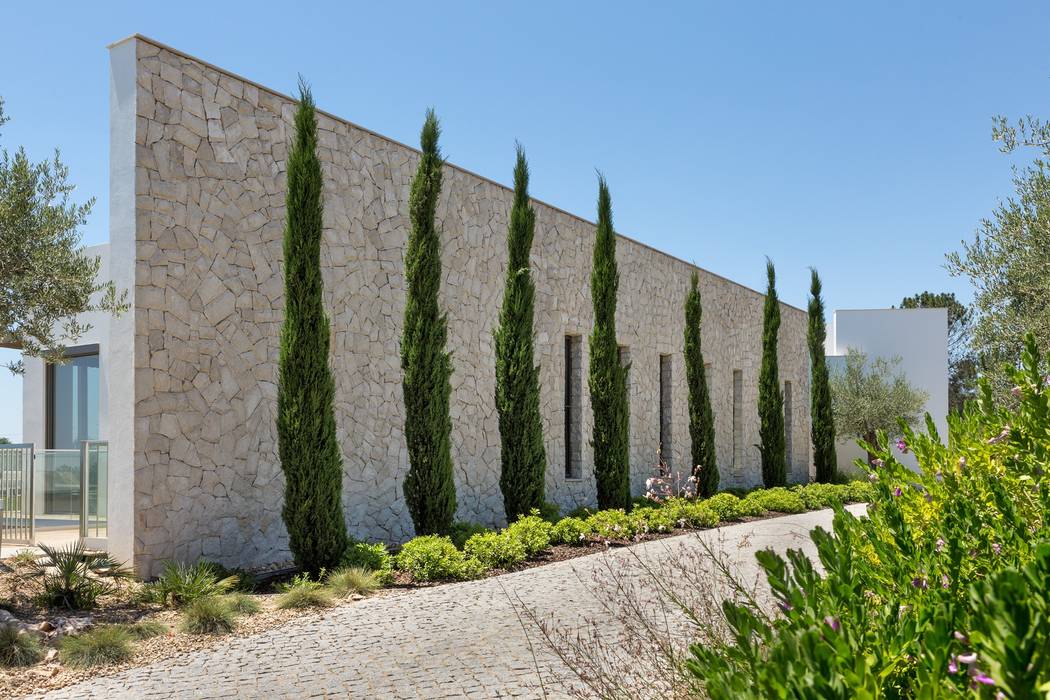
6	617
51	655
45	626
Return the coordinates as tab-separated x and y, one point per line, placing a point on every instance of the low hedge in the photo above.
471	550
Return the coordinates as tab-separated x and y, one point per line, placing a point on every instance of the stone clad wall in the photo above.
210	175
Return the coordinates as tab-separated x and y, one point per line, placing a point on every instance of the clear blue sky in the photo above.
853	139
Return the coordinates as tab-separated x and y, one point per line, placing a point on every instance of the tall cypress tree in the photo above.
306	441
701	416
823	419
430	489
522	455
770	397
608	378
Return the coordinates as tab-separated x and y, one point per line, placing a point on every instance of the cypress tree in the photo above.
608	378
770	397
701	417
306	439
822	416
430	490
522	455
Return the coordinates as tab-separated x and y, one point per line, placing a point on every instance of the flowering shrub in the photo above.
434	558
570	530
495	550
532	531
658	520
665	484
612	524
942	590
372	557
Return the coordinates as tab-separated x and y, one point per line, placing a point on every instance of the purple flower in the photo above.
873	477
920	583
952	666
784	607
897	491
1016	391
928	497
832	622
902	446
940	544
877	462
983	679
967	659
944	580
938	476
996	547
962	637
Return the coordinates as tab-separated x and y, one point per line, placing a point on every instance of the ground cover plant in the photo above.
942	590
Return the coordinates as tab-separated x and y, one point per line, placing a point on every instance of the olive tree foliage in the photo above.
1008	260
869	395
46	280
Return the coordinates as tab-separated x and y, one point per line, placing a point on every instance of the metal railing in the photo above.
16	494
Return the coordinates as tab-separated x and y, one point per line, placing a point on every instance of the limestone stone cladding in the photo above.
209	186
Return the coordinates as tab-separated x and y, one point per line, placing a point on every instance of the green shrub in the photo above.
181	584
354	579
303	592
532	531
246	582
373	557
101	646
74	578
242	604
144	629
23	557
725	505
859	491
209	615
584	512
570	530
612	524
435	558
495	550
551	512
777	500
941	590
698	515
18	648
656	520
820	495
682	512
463	530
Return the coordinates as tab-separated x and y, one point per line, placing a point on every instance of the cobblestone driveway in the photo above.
454	641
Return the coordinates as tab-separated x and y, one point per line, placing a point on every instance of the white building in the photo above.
918	337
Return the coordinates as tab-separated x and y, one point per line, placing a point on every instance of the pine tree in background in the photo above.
523	458
430	489
821	410
306	441
608	378
701	416
770	398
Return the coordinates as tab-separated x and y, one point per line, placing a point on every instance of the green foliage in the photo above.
72	577
962	363
242	604
608	378
701	415
656	520
303	592
725	505
495	550
430	490
942	590
570	530
306	432
532	531
372	557
435	558
522	456
770	398
46	280
180	584
776	500
684	512
23	558
99	646
551	512
612	524
208	615
463	530
750	506
344	582
245	581
868	397
859	491
822	416
18	648
1008	261
816	496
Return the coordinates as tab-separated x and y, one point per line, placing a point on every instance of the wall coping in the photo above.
277	93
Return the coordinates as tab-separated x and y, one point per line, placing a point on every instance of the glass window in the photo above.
73	401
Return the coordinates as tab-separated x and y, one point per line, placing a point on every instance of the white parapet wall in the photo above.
919	337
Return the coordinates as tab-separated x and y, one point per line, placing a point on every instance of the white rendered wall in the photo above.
919	337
